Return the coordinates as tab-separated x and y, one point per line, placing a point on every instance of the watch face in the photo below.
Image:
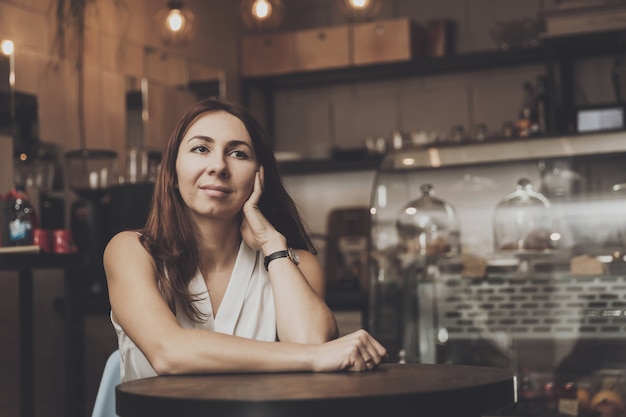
293	255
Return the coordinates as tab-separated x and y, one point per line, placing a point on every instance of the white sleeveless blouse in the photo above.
247	310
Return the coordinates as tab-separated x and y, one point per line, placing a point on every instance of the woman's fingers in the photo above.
262	177
256	230
257	190
356	352
369	352
374	351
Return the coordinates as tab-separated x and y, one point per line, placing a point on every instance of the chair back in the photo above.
105	398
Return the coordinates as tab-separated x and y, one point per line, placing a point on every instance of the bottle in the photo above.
21	219
524	124
542	121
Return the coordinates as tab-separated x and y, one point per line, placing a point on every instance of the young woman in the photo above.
223	278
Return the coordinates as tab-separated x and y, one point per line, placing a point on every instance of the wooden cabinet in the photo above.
322	48
306	50
384	41
387	41
268	54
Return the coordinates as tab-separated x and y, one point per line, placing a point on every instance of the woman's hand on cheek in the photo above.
256	230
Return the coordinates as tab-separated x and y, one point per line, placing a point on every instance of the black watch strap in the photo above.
276	255
290	253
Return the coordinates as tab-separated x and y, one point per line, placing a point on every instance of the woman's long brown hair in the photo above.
170	235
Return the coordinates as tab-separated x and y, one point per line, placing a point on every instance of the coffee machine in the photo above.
90	174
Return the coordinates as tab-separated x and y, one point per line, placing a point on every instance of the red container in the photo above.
43	239
63	242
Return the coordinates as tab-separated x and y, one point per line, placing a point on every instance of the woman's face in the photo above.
216	165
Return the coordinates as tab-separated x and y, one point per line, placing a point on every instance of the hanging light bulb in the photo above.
262	15
358	4
359	10
175	23
7	47
261	9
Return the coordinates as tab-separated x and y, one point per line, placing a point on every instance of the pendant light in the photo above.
175	23
262	15
359	10
7	48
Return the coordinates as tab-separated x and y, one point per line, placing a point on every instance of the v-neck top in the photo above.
247	310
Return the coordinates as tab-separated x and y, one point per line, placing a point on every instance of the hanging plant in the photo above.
69	43
70	27
70	33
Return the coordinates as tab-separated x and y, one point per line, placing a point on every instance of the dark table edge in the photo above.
437	404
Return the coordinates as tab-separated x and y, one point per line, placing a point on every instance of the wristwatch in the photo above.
289	253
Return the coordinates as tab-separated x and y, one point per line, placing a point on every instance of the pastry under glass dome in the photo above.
523	221
428	225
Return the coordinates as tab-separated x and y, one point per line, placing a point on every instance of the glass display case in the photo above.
528	271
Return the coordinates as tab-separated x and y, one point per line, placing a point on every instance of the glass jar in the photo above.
523	220
428	225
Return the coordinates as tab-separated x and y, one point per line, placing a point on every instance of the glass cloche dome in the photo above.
428	225
523	220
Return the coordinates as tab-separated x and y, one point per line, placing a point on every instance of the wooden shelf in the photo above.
497	151
506	151
320	166
573	46
419	66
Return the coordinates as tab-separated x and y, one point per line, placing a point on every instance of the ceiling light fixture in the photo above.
175	23
359	10
262	15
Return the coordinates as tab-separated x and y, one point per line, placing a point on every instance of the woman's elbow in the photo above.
162	366
164	361
331	333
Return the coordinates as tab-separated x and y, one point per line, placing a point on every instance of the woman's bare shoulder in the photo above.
125	238
124	257
125	244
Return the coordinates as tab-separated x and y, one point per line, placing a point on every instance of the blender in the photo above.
90	174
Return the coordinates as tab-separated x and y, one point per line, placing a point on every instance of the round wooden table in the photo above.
391	390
